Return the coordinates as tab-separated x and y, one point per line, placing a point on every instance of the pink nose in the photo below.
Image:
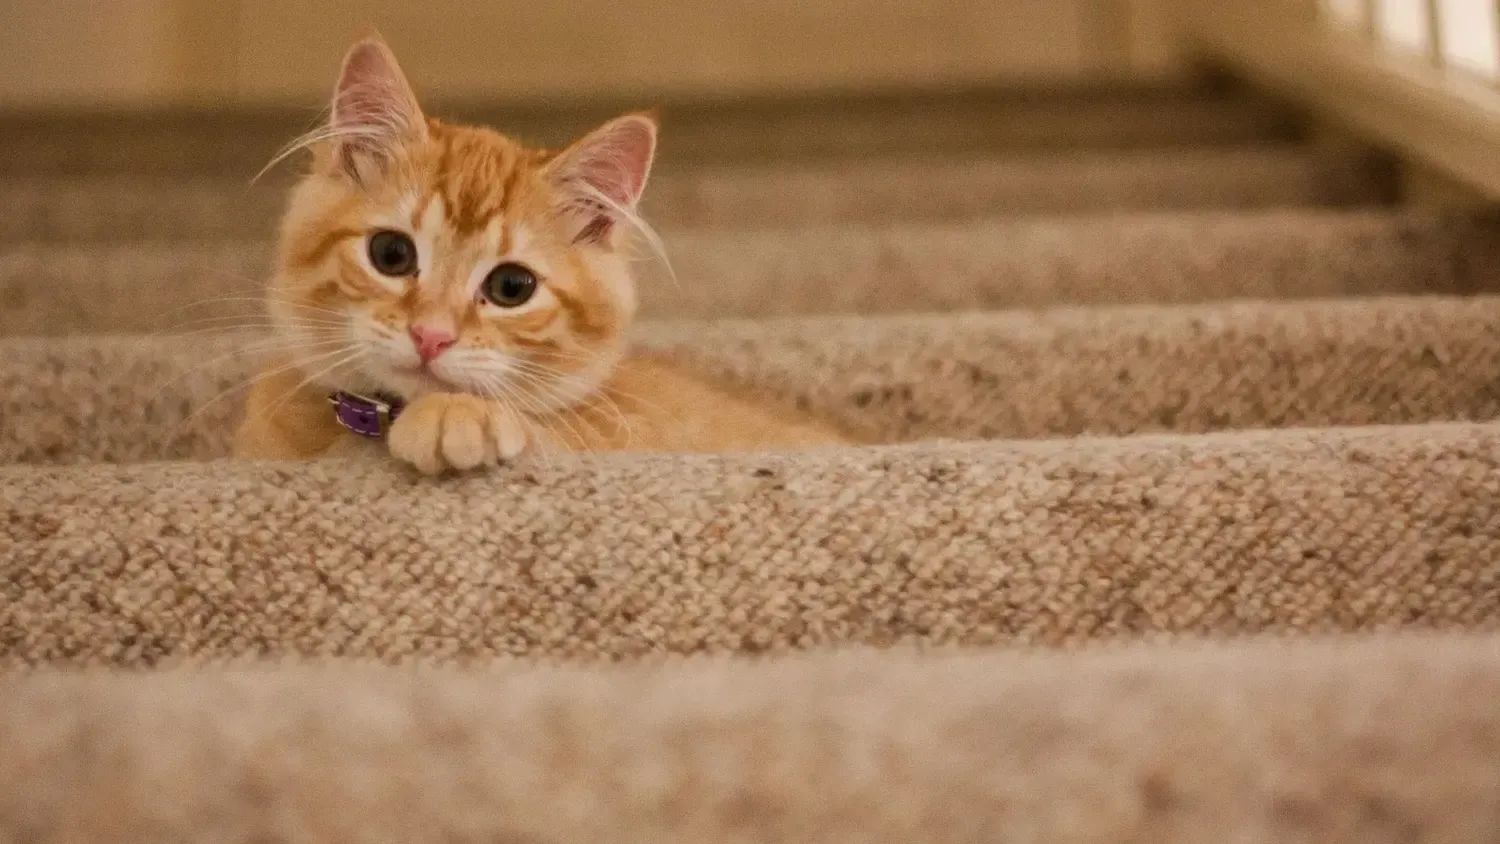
430	342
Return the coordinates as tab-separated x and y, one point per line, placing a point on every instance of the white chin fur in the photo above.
499	380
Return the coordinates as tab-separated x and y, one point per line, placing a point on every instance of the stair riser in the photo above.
1067	373
237	147
879	191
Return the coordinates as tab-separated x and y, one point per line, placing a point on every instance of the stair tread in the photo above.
1131	364
982	544
963	741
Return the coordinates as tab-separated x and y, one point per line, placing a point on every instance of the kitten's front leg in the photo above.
456	431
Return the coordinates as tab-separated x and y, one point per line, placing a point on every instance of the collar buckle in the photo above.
365	416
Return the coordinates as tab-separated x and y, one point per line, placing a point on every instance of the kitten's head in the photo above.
418	256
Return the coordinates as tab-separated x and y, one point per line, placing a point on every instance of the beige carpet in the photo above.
1145	257
1341	743
890	379
766	195
1131	406
1003	543
177	143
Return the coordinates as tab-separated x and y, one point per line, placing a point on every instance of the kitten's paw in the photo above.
455	431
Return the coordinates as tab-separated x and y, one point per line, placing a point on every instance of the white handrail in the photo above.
1416	76
1458	35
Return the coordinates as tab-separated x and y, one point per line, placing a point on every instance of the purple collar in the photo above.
364	415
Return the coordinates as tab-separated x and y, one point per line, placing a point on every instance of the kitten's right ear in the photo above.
374	111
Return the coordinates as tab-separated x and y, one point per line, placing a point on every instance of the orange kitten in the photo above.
449	295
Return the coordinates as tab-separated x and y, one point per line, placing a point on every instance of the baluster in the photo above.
1435	34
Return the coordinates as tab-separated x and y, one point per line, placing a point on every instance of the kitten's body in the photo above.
484	283
647	405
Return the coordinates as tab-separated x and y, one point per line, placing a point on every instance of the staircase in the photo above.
1152	370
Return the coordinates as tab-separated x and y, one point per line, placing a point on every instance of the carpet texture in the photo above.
1153	395
237	144
766	195
981	544
1339	743
903	267
999	375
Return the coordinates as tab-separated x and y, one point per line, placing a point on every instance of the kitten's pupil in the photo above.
393	253
509	285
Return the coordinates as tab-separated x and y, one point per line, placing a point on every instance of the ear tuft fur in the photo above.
372	114
374	109
605	172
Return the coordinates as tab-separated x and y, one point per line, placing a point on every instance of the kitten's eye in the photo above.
393	253
509	285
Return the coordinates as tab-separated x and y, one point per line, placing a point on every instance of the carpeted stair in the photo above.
1177	517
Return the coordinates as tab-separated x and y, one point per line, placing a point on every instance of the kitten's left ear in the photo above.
374	109
605	172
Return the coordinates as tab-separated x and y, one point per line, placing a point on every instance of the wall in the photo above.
159	51
67	50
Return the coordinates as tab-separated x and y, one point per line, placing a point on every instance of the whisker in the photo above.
352	356
262	347
299	314
378	126
604	387
497	393
539	376
586	384
261	301
542	413
552	442
239	385
262	333
602	395
229	324
536	412
531	380
588	200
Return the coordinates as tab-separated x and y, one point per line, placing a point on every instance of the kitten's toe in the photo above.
509	435
414	437
465	445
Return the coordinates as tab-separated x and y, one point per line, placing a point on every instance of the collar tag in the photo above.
362	415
